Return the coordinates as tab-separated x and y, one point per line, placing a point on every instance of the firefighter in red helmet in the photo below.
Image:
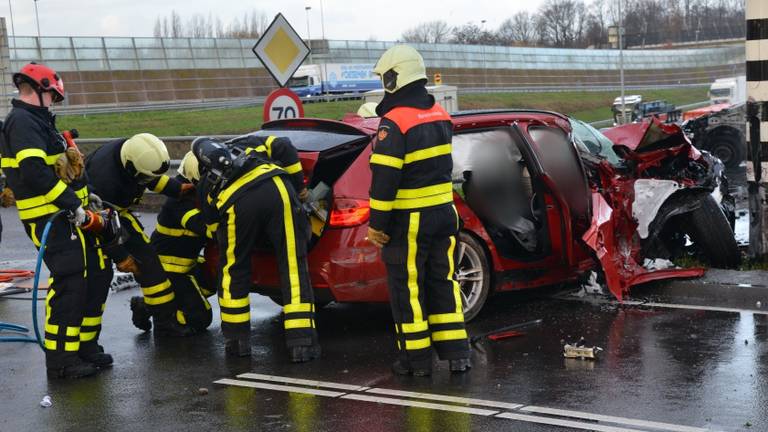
49	184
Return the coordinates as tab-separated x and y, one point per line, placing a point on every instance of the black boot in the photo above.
238	347
404	367
76	370
304	353
140	314
95	355
166	325
459	365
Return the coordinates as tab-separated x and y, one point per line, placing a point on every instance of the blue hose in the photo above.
15	327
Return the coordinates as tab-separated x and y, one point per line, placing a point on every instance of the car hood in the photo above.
649	134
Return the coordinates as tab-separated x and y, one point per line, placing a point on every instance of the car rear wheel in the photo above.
473	275
727	148
712	235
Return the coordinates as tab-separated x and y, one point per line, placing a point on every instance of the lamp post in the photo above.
323	71
309	37
621	65
13	29
485	64
37	20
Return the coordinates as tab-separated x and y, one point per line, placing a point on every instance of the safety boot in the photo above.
238	347
95	355
80	369
140	314
403	366
304	353
459	365
167	325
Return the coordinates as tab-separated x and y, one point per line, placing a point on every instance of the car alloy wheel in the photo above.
472	275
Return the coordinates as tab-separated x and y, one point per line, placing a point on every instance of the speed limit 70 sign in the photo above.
282	104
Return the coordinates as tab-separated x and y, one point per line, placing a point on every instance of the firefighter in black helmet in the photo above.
413	218
120	172
47	178
250	189
179	236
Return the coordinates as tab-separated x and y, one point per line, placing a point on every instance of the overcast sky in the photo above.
344	19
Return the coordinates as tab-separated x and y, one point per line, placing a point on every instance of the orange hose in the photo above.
9	275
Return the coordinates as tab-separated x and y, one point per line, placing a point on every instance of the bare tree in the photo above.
158	31
518	30
472	34
562	22
177	28
428	32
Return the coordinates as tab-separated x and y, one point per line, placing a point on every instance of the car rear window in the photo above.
312	140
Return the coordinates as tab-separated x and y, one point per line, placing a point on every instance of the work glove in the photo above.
378	238
186	189
77	216
69	166
6	198
129	265
95	202
304	195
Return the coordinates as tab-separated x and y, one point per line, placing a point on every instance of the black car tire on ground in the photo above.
712	234
726	147
473	274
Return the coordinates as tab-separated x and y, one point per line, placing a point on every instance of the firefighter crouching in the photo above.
47	179
178	238
120	171
413	217
248	190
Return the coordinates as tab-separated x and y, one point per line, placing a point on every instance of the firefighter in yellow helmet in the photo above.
179	236
413	218
121	171
367	110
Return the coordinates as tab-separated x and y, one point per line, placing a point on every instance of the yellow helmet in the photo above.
367	110
145	155
189	168
399	66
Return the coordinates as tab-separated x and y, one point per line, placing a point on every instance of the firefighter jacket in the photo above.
268	157
411	161
30	146
112	182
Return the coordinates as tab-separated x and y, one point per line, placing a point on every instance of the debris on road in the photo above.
579	350
46	402
202	391
505	332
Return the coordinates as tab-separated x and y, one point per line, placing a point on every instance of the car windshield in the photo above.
311	140
720	92
593	141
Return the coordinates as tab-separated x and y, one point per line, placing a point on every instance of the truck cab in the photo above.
728	91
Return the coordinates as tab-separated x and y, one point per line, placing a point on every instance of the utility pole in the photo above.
757	110
37	20
309	37
621	65
323	71
13	29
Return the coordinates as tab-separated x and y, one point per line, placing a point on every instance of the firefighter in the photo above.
47	180
120	171
178	238
252	200
413	218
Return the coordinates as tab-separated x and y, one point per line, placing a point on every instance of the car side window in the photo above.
492	149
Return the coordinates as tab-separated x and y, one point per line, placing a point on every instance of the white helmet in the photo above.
146	155
400	66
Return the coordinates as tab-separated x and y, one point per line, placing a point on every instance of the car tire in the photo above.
727	148
473	274
712	234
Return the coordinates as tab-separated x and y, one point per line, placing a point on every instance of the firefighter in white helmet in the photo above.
413	218
179	237
121	171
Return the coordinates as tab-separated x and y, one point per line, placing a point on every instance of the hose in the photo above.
15	327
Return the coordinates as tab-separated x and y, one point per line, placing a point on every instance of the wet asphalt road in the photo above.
687	368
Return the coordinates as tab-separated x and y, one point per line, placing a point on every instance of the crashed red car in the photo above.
537	207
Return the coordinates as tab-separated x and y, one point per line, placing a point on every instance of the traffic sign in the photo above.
282	104
281	50
438	79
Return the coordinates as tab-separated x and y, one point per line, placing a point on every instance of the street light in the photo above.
13	29
309	37
621	65
37	20
485	65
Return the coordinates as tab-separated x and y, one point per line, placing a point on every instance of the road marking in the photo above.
285	388
583	420
310	383
692	307
564	423
419	404
610	419
445	398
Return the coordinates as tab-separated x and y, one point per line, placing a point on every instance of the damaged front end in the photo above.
651	206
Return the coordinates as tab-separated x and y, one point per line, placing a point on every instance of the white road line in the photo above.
310	383
446	398
564	423
611	419
693	307
418	404
285	388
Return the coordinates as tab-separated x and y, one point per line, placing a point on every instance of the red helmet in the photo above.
42	78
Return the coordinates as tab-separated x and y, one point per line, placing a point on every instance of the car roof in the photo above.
473	119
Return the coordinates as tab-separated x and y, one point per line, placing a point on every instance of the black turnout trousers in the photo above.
424	294
79	284
192	292
269	210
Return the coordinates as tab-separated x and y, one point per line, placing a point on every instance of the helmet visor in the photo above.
389	80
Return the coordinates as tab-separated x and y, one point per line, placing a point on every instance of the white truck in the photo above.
730	91
334	78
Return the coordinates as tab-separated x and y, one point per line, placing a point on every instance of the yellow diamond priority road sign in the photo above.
281	50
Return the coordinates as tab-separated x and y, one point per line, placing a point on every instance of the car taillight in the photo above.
348	212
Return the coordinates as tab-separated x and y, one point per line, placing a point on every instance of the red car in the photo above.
533	214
